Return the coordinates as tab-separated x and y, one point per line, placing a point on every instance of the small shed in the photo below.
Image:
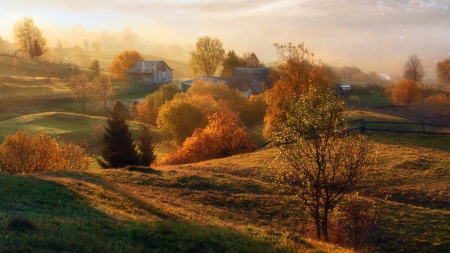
151	72
343	89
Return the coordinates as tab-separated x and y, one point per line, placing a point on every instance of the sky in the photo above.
373	34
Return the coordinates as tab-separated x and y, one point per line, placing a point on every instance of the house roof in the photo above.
146	66
252	74
246	80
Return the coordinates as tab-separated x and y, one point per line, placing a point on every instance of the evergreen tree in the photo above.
118	148
146	149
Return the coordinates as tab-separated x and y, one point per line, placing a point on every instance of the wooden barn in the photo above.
151	72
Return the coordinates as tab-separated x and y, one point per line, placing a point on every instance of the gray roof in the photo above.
146	66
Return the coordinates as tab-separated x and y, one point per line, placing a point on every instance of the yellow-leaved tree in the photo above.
123	61
294	74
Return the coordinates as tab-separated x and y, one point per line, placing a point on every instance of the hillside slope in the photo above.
231	204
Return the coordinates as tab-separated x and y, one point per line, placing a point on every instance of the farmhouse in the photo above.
151	72
246	80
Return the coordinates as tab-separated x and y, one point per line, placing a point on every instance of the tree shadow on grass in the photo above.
64	222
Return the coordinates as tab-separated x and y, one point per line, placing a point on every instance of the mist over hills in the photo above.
374	35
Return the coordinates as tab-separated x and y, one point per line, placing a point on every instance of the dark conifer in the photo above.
146	149
118	148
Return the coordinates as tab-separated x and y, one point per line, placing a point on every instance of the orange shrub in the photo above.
220	138
24	153
438	99
407	91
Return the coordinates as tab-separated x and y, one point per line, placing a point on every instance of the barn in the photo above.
151	72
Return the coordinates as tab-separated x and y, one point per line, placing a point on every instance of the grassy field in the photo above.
231	204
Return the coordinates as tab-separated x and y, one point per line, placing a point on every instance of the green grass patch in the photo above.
44	216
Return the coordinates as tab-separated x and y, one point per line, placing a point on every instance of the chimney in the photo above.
143	65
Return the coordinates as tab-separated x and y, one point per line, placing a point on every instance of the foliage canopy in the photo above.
443	71
207	56
28	38
407	91
122	62
323	162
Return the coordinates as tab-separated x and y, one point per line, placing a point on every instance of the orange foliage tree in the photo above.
295	73
24	153
407	91
443	71
222	137
123	61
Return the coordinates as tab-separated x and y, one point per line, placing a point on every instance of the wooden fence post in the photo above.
362	126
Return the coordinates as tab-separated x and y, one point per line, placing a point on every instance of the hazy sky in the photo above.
339	31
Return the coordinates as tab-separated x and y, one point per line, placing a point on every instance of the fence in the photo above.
361	125
35	59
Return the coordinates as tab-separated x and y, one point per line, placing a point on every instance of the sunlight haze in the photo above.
375	35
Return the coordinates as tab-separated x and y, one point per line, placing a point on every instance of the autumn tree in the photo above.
237	102
81	89
146	148
413	69
443	71
28	38
148	110
96	46
207	56
231	61
222	137
94	68
179	118
251	60
118	148
294	74
322	162
122	62
406	92
24	153
102	89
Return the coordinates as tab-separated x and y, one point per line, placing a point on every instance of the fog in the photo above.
373	35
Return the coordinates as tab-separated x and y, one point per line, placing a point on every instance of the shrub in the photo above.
438	99
24	153
220	138
357	221
407	91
